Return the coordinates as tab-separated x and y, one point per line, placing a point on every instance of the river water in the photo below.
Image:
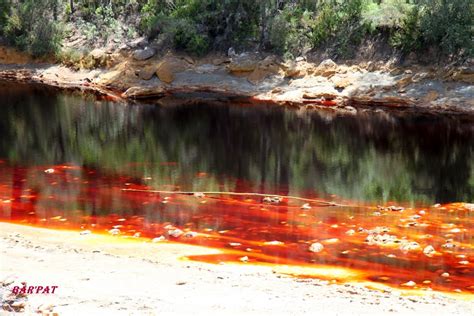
374	189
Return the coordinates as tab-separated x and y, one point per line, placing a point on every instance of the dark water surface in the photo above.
366	158
69	161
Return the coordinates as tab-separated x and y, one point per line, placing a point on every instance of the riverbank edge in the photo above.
59	257
254	80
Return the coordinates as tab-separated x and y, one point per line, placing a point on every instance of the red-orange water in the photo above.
383	244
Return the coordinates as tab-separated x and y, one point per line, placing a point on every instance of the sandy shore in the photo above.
104	275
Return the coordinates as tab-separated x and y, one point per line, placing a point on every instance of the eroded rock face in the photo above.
388	101
344	81
220	61
464	74
298	69
296	83
10	55
255	71
138	92
242	66
144	54
429	251
258	75
166	72
327	68
267	67
292	71
430	96
322	95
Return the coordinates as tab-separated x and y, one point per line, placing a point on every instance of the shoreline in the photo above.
327	86
116	276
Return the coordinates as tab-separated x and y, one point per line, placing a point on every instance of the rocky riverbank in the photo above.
136	72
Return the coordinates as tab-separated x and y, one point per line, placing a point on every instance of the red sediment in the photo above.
390	245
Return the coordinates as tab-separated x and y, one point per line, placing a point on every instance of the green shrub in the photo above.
408	37
37	36
159	19
388	13
446	26
278	33
198	45
71	58
158	24
4	13
339	24
89	30
223	23
290	32
155	16
148	18
187	38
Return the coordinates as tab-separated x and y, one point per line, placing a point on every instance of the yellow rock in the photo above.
292	72
258	75
168	67
464	75
343	82
246	65
147	72
326	68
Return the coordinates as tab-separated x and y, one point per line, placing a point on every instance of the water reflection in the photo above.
73	162
366	158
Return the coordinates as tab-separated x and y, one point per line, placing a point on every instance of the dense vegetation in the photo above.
287	27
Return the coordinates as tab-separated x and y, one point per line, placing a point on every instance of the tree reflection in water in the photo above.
369	157
66	159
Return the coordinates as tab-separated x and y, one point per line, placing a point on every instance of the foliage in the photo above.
194	25
408	37
389	13
71	58
448	25
226	23
23	28
286	27
186	37
4	12
154	15
290	32
444	25
339	23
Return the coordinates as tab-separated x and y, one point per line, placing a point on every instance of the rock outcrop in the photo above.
169	66
144	54
299	83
